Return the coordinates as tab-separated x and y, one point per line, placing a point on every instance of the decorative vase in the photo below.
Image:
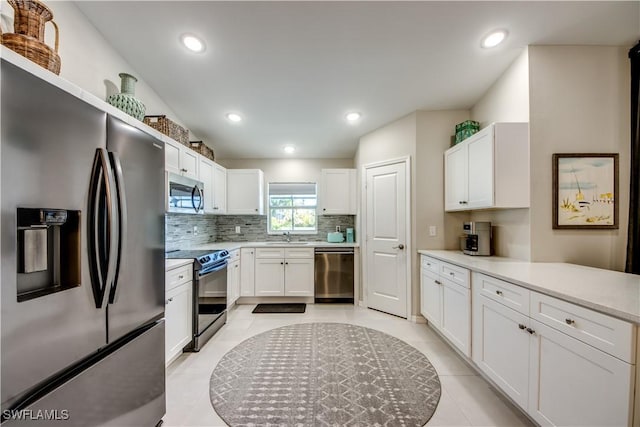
126	99
30	17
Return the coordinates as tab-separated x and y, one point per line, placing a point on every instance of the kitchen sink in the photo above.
288	243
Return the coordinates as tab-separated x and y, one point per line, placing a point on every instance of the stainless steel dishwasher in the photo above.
334	275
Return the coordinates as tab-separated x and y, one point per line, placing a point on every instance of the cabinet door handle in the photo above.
521	326
184	170
462	202
531	331
181	277
499	293
215	208
282	263
256	209
438	282
324	209
168	301
451	273
570	321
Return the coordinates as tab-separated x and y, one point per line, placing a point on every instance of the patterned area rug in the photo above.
319	374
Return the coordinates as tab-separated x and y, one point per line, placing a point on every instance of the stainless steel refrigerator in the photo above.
82	270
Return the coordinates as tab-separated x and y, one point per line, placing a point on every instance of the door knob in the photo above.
400	246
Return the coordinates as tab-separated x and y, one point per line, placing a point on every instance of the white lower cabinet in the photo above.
456	315
233	282
501	346
247	272
269	277
573	383
557	379
284	272
431	296
298	277
446	301
178	311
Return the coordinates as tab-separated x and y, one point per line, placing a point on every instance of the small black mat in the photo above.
280	308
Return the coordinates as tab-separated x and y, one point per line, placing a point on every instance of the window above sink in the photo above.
292	208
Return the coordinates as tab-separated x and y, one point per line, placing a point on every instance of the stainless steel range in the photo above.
210	293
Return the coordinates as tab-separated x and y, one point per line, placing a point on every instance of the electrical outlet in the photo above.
432	230
237	229
195	230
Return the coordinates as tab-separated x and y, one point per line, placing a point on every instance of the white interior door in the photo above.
386	225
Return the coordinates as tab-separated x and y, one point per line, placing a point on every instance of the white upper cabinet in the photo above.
180	160
206	176
219	189
338	192
489	169
172	157
214	178
245	192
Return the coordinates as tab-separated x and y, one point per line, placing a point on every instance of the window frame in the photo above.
292	208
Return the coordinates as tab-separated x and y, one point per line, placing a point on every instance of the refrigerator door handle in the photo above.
122	224
101	226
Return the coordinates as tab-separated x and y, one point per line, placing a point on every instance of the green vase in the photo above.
126	99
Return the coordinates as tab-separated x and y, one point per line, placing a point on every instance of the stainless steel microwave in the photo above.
184	195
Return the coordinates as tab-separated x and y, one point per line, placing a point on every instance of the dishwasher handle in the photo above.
331	251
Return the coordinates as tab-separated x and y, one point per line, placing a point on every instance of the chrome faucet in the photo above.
286	233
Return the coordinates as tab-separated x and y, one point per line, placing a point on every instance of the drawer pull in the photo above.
181	277
569	321
499	293
451	273
438	282
521	326
531	331
168	301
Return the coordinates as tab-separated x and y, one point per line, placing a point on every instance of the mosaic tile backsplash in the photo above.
179	232
253	228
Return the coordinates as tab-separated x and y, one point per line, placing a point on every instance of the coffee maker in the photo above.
477	238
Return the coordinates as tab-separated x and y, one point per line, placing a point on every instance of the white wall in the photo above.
434	134
288	170
393	141
88	60
579	104
507	100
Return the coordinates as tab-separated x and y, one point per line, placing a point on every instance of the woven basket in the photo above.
166	126
30	17
205	150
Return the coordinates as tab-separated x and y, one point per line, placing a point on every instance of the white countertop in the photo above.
230	246
610	292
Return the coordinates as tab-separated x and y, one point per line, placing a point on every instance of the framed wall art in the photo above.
585	191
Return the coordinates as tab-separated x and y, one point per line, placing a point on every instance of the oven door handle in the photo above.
213	270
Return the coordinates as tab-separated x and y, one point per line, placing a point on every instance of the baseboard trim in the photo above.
417	318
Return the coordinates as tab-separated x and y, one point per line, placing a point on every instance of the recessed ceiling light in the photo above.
234	117
353	117
494	39
192	43
289	149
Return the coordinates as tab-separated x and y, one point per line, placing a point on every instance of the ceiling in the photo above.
294	69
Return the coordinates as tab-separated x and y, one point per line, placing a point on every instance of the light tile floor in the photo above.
467	399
